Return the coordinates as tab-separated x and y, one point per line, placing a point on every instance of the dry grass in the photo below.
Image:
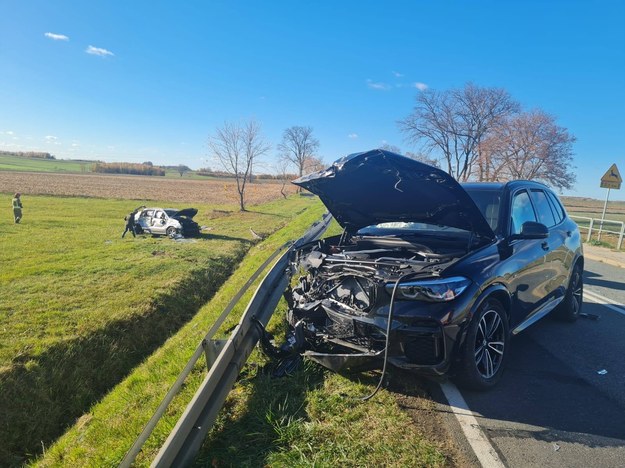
209	191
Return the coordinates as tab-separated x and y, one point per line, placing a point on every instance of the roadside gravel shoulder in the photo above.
602	254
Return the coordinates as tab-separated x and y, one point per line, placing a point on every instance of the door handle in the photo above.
545	245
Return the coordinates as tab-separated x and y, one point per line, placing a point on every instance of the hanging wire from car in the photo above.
391	308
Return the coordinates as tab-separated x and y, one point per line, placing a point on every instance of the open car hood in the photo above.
379	186
188	212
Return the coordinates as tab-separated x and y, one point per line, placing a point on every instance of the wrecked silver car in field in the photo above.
167	222
428	274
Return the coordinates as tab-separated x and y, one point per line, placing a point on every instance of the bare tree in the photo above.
283	173
529	146
236	147
416	156
391	148
454	123
298	146
425	159
313	165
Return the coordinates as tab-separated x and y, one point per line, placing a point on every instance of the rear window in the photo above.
558	210
545	213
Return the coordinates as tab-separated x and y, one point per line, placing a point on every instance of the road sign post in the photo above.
610	180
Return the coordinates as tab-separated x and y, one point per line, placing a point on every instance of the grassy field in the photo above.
80	307
590	208
15	163
22	164
310	419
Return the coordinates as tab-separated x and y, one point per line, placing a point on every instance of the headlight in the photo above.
436	290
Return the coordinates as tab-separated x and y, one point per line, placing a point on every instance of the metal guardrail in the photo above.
224	360
599	227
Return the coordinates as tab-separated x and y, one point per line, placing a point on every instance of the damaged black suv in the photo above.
428	274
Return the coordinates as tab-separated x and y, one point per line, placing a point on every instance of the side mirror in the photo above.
531	230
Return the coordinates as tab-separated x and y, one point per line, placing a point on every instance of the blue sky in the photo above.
148	80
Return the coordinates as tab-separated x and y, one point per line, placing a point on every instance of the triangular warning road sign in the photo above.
612	178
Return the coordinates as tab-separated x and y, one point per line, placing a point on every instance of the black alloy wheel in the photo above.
571	306
485	348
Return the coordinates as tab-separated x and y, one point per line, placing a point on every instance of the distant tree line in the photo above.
27	154
128	168
208	172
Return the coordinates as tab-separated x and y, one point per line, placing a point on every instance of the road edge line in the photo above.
483	449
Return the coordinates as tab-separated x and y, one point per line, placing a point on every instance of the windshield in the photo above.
488	202
400	228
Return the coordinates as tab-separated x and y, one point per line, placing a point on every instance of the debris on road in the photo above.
589	316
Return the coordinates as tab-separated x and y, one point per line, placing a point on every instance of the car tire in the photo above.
485	348
171	232
571	306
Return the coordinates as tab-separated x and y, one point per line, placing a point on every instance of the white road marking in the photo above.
480	444
599	299
476	438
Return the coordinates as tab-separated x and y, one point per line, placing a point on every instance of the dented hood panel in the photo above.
379	186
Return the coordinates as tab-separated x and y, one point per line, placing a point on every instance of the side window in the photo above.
521	212
545	215
558	211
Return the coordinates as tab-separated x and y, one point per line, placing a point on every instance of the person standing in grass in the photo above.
130	224
17	207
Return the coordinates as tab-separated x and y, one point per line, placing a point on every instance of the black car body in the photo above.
457	268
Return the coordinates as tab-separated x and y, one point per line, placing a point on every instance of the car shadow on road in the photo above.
593	279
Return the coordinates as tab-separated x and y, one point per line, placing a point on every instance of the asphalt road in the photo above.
552	406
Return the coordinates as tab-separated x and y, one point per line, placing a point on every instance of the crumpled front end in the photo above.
339	305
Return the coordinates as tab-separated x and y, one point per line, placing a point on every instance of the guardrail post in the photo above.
212	348
620	237
592	220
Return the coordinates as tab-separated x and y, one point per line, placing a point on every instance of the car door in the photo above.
557	252
145	220
159	222
529	280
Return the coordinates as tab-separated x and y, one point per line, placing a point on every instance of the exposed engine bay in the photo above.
339	304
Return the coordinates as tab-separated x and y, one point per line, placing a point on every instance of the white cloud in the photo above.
397	74
51	138
98	51
9	132
378	85
353	136
420	86
56	37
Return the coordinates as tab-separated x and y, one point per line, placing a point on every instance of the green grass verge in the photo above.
16	163
103	435
80	307
314	418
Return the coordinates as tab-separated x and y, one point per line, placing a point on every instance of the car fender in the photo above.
496	290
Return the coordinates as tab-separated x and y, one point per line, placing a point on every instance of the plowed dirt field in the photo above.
137	187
